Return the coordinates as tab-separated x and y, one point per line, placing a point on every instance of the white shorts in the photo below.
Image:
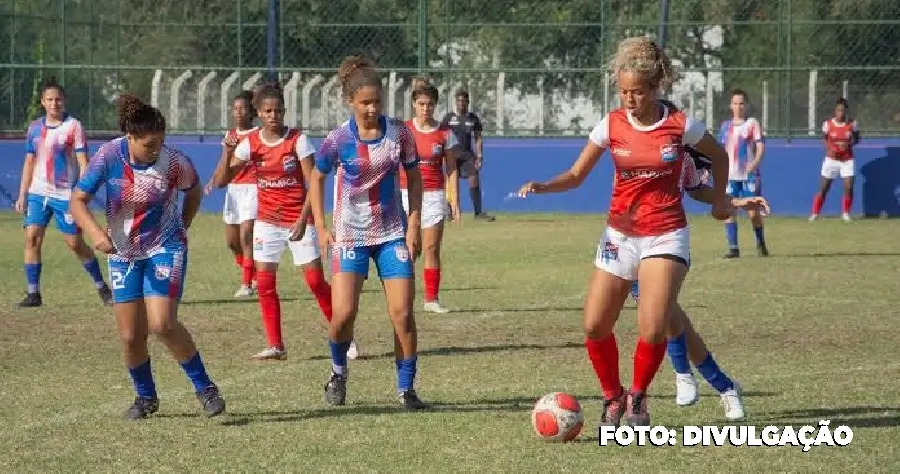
620	255
434	207
269	242
831	169
240	203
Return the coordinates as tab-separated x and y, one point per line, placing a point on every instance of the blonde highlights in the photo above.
642	55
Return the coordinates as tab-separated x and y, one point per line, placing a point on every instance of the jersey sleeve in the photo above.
187	173
79	142
693	131
95	175
854	126
723	132
30	135
600	134
326	157
408	157
756	131
476	124
242	151
825	127
304	147
690	178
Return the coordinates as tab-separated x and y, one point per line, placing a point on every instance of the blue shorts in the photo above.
751	187
161	275
39	209
635	291
392	260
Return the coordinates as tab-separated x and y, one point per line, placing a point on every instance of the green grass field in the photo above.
810	333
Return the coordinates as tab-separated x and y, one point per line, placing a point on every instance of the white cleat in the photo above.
733	403
353	351
244	292
685	390
271	353
813	217
435	307
846	217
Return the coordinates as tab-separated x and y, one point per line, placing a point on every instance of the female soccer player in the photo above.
841	134
146	241
369	223
743	140
55	150
435	147
647	237
282	158
239	209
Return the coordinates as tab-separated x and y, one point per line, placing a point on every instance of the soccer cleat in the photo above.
613	409
732	253
411	401
636	410
846	217
270	353
733	403
485	217
353	351
762	250
106	295
813	217
212	401
336	389
31	300
685	389
435	307
244	292
142	408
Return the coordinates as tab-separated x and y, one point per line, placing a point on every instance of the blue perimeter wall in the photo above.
790	175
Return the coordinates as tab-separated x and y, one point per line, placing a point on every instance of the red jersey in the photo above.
649	170
247	174
839	139
279	176
431	146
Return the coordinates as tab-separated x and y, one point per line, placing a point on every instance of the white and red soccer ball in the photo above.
557	417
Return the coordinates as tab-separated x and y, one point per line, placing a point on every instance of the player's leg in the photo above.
616	265
231	217
830	171
847	175
37	216
703	360
753	187
734	189
248	266
75	241
163	279
269	243
397	273
468	171
349	267
433	213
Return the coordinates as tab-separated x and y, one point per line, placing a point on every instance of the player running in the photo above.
366	152
841	134
467	128
146	241
647	237
435	146
743	140
55	151
239	209
282	158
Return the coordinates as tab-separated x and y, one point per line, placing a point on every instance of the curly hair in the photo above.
357	72
138	118
271	90
642	55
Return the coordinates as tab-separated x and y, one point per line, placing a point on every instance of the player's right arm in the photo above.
220	175
597	143
326	161
27	170
238	154
88	186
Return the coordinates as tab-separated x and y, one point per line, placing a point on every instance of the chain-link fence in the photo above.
533	67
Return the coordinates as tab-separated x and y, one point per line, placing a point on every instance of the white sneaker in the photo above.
685	389
244	292
734	405
353	351
813	217
271	353
846	217
435	307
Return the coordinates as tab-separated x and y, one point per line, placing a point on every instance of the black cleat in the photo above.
142	408
411	401
106	295
212	401
762	250
336	389
732	253
31	300
483	216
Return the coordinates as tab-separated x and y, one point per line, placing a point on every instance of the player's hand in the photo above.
326	241
757	203
207	189
530	187
20	205
231	142
455	215
414	242
103	242
722	208
298	230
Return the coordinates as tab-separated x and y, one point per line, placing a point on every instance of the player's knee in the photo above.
33	240
162	327
132	338
595	327
402	317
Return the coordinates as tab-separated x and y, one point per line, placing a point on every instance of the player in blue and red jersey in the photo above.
366	152
55	150
742	138
146	241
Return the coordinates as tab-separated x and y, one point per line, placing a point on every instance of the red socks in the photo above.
248	272
847	204
270	308
647	359
239	259
604	355
315	279
818	202
432	277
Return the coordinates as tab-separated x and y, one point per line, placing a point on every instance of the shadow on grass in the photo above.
854	417
838	254
461	350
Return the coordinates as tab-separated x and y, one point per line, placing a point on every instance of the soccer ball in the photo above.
557	417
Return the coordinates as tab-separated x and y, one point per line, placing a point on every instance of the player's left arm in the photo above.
697	137
307	154
759	147
79	147
855	131
189	183
409	159
452	171
478	132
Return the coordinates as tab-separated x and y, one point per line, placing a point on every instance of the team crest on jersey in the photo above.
289	163
668	153
402	253
437	149
163	272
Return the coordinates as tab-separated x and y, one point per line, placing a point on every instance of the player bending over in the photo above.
55	150
841	134
368	223
146	241
436	147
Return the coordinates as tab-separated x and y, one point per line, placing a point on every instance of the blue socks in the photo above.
677	348
406	373
142	376
339	356
731	234
713	375
760	238
195	371
92	267
33	277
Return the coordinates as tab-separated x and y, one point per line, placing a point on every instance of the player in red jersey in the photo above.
239	209
435	146
841	135
282	158
647	237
